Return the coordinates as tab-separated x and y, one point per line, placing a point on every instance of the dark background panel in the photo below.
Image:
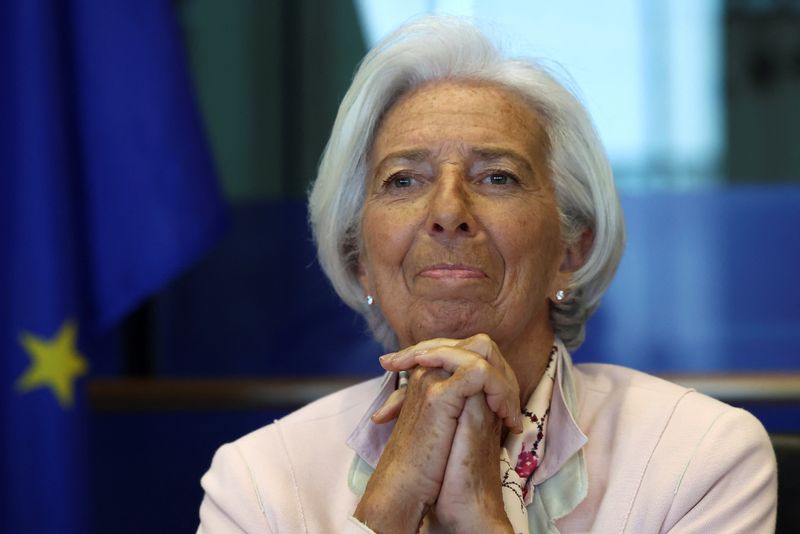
146	466
264	310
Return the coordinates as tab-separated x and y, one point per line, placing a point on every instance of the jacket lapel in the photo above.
561	482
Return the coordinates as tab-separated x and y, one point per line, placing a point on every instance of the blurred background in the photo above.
160	292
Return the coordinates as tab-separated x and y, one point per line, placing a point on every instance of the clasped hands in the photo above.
441	462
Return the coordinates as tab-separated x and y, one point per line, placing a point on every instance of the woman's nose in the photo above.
450	210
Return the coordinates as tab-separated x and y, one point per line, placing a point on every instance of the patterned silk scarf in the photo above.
527	450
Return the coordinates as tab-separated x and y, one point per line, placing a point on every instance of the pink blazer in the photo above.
626	453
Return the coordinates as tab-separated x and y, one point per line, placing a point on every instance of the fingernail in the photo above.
388	357
377	414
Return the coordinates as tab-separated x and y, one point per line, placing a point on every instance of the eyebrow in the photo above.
482	153
494	154
413	155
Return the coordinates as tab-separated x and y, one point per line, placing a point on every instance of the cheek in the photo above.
387	237
530	246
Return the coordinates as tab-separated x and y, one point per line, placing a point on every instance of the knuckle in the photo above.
482	338
483	343
437	342
481	369
436	351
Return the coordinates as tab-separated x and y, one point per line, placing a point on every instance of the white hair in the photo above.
437	48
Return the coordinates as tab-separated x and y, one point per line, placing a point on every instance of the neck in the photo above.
528	357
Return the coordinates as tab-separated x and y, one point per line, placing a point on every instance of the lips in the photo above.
445	271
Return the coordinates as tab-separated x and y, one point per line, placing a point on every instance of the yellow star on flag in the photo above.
55	363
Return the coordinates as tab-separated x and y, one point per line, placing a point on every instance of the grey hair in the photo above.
437	48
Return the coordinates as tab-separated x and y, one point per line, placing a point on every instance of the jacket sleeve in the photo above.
235	502
730	483
231	503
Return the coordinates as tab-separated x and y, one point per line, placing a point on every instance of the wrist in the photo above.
389	504
484	524
481	513
383	516
470	525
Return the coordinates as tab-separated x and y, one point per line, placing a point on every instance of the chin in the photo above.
451	319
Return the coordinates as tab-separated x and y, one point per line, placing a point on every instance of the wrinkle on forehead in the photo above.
414	116
459	94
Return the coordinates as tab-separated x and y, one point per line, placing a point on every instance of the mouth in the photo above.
447	271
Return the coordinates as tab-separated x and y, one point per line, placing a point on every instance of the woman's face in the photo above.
460	229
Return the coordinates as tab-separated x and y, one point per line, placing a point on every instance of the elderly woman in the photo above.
465	207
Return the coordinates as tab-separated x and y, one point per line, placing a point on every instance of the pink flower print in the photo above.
527	462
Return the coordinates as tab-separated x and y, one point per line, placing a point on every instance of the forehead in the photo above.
468	113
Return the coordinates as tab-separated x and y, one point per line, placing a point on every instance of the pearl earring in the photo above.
560	294
370	300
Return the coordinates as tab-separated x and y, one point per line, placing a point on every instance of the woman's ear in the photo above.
363	278
575	256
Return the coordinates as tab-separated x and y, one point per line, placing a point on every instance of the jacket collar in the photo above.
561	482
368	439
564	437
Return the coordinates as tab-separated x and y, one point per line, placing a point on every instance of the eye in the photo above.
499	178
399	181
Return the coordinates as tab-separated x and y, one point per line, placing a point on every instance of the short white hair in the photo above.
447	48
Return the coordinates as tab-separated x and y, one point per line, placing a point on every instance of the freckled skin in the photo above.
513	233
460	236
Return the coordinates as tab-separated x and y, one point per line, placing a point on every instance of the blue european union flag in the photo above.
107	190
